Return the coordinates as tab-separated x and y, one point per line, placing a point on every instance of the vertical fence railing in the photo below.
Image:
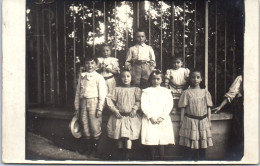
161	37
105	21
39	34
225	47
43	56
74	48
195	34
206	41
173	14
65	52
84	31
149	23
126	27
183	37
57	54
94	26
51	90
115	42
216	52
46	84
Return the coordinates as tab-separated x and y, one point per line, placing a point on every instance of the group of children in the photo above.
140	105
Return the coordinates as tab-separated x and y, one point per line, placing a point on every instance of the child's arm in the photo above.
145	105
111	106
128	59
102	93
182	115
77	96
152	57
209	116
137	104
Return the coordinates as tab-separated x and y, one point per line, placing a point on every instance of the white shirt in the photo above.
140	52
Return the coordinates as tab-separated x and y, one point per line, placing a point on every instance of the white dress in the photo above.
157	102
177	80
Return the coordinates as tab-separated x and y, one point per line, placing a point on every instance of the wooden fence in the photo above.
60	34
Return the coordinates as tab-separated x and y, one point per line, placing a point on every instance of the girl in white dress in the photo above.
124	124
176	80
156	104
108	67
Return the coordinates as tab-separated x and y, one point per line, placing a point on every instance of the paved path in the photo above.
40	147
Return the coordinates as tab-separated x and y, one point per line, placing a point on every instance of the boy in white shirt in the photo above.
89	102
140	60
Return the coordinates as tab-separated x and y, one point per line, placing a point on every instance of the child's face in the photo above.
195	78
90	66
140	37
126	78
177	64
106	51
156	80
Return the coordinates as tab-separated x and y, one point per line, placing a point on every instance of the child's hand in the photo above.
154	121
117	115
133	113
160	119
216	110
98	113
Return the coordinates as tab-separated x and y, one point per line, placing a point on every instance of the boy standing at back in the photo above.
89	102
140	60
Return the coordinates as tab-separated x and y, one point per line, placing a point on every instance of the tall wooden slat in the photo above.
149	23
216	51
225	48
105	21
51	72
39	89
195	34
74	50
173	14
115	43
234	55
57	56
206	41
183	37
65	52
93	30
138	15
161	39
84	32
43	57
126	28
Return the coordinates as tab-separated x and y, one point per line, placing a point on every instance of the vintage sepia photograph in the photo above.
134	80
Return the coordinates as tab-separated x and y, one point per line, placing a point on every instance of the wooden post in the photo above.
39	89
195	34
57	56
183	37
161	39
65	52
173	13
206	41
93	31
216	51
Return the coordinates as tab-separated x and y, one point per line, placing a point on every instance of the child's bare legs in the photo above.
120	149
128	149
